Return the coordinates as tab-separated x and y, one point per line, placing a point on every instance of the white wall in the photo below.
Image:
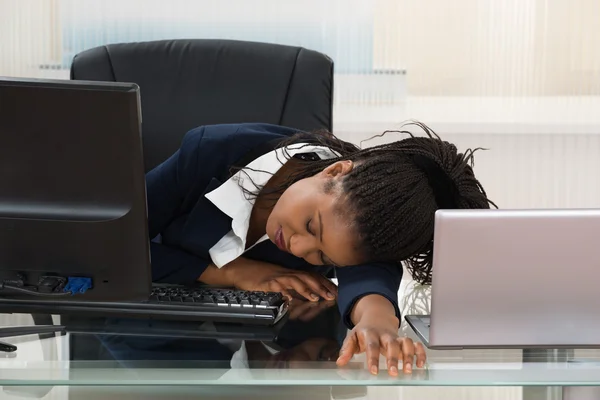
490	47
29	36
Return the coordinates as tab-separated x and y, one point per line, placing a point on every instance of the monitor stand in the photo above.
43	326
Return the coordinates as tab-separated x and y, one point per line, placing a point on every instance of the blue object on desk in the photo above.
78	285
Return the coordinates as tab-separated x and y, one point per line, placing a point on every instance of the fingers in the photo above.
349	348
288	287
392	353
330	286
307	286
408	354
320	285
400	352
420	353
371	344
275	286
299	286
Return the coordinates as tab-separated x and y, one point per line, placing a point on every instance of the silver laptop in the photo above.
514	278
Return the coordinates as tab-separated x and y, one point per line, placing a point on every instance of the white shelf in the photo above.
472	115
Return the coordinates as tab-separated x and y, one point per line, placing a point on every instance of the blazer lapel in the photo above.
206	224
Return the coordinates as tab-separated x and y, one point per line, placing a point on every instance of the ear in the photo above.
338	169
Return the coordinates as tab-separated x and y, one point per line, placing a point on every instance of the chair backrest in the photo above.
189	83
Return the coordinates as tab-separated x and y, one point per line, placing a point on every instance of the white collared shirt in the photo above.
231	199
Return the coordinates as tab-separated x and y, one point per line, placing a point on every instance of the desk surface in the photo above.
302	353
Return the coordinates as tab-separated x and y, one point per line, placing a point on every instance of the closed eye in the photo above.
321	254
308	227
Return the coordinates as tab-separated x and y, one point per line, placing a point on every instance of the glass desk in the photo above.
298	357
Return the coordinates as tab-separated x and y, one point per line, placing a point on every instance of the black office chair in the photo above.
189	83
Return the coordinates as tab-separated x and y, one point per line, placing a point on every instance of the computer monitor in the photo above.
72	191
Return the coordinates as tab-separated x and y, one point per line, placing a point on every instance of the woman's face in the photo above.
309	221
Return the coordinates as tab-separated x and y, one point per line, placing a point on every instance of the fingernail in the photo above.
420	364
330	295
314	296
374	370
408	367
394	370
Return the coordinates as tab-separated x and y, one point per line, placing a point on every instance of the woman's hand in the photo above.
254	275
377	335
376	332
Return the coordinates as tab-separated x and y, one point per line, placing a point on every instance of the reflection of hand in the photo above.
307	310
305	354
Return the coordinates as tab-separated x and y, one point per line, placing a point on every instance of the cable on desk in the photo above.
4	286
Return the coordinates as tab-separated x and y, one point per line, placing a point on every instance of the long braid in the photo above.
390	199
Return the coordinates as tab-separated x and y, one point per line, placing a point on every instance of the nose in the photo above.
302	245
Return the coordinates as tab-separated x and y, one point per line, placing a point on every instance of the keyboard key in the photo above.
207	299
188	299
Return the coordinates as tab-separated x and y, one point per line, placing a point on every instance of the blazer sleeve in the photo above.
169	183
358	281
176	266
166	187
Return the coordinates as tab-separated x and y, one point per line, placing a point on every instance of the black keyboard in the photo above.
170	303
210	296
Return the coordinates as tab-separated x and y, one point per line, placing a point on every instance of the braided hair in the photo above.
394	190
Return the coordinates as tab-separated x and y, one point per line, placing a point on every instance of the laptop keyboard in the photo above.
214	297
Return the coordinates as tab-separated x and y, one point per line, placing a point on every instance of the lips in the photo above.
279	240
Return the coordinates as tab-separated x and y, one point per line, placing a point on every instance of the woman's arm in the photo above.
375	307
357	282
169	183
173	265
247	274
167	186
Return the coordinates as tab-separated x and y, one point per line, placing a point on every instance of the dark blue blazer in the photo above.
189	224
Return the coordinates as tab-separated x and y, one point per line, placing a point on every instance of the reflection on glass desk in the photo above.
300	352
